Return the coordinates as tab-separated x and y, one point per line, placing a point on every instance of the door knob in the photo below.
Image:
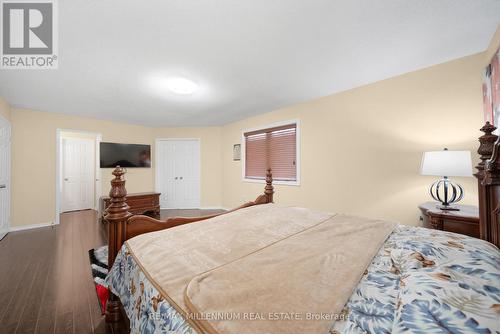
66	179
176	177
3	186
180	178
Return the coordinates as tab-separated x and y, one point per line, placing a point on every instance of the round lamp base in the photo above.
447	193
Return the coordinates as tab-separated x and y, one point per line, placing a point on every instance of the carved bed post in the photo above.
491	183
116	216
269	189
486	145
488	201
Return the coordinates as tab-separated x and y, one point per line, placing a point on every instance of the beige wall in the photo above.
361	149
4	109
34	160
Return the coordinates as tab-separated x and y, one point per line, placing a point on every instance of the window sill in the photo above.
275	182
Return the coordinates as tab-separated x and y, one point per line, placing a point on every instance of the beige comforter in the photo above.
263	269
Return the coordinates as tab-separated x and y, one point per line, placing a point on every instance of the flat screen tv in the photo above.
125	155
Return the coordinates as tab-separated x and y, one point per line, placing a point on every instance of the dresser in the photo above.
139	203
465	221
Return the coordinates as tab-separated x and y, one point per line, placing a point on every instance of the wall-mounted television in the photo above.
125	155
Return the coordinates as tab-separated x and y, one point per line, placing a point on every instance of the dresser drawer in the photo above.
142	202
139	203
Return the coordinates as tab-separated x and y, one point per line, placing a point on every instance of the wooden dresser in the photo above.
139	203
465	221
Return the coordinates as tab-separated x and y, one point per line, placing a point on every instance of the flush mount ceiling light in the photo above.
181	86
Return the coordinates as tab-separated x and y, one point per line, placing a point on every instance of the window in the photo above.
274	147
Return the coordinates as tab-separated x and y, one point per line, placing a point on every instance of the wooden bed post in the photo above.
485	150
486	146
116	216
488	176
491	184
269	189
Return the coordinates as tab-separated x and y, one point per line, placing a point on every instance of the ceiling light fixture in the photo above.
181	86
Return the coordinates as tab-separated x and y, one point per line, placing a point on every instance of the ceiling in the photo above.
247	57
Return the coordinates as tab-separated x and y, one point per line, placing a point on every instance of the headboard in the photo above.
488	176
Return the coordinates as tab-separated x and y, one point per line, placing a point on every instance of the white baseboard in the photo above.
29	227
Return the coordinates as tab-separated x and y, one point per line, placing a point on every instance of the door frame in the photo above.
97	174
9	174
157	159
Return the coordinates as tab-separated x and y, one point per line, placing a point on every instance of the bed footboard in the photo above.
122	225
140	224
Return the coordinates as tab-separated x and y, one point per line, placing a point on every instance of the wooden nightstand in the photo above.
465	221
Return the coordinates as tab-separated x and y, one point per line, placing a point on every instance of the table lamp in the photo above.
445	164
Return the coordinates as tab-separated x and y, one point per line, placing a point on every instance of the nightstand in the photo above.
465	221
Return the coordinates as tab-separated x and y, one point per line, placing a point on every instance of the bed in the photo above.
231	273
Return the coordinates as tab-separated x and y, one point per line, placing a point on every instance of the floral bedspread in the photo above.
421	281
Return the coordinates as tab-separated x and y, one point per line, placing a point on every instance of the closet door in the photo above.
188	173
178	173
165	172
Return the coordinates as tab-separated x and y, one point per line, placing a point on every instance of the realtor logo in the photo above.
29	36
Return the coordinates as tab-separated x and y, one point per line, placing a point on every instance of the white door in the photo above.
4	177
78	165
178	173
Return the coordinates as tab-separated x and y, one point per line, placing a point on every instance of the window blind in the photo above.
274	148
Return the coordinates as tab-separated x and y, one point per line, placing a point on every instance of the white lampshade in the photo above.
447	163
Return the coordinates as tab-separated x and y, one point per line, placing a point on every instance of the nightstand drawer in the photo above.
462	227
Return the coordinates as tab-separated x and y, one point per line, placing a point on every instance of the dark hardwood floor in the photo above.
46	284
